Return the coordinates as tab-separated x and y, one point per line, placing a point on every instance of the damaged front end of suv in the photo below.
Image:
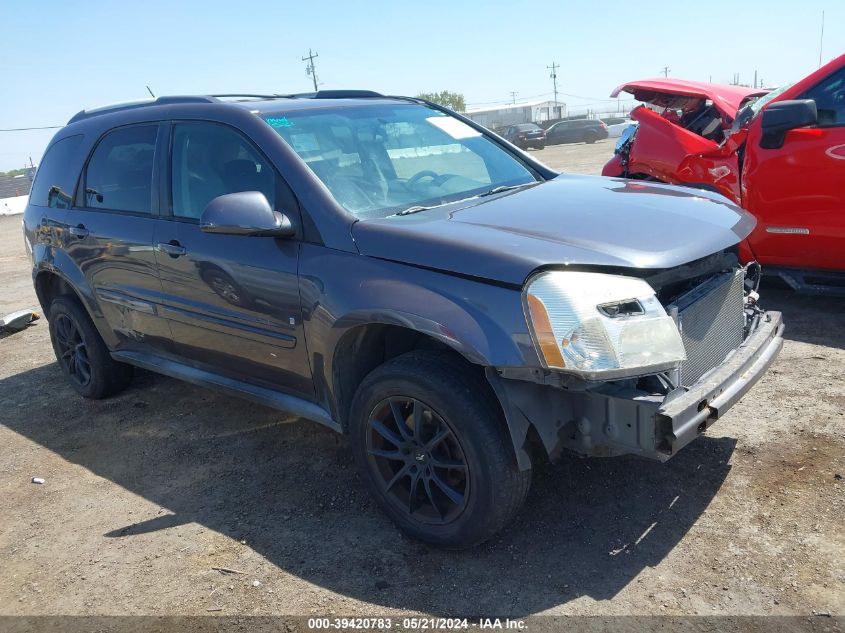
640	362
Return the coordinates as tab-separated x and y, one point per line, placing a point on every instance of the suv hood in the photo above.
726	99
579	221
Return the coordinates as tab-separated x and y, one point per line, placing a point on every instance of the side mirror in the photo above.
782	116
244	213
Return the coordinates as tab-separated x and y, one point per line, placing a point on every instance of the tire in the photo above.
455	492
542	146
590	138
81	352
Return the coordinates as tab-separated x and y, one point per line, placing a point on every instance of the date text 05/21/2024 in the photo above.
415	624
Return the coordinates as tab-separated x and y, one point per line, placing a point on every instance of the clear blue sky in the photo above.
61	57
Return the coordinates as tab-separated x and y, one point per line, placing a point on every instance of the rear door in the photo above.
797	191
232	301
110	235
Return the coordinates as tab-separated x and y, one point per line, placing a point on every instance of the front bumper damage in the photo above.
617	418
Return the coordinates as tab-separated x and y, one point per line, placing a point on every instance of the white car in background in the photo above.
615	129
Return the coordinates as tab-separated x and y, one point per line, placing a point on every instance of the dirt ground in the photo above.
149	491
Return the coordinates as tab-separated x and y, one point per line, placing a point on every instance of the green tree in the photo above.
13	172
452	100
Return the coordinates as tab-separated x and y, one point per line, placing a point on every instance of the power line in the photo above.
25	129
476	103
593	99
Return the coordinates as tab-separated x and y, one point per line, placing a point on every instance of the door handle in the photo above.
172	248
79	231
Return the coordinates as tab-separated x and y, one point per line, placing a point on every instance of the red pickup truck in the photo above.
778	154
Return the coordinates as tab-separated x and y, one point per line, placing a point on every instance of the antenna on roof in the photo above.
151	92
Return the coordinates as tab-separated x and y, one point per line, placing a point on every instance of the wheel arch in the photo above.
62	278
366	345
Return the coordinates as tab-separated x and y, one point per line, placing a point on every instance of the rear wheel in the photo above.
591	137
434	450
81	352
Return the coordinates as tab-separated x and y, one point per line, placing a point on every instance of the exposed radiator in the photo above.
712	323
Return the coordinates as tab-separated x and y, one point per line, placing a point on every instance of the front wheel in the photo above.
434	450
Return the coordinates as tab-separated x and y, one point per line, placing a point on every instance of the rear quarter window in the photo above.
56	176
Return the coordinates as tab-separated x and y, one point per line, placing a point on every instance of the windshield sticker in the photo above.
279	122
453	127
304	143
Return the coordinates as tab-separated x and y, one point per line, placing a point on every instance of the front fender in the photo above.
343	291
460	341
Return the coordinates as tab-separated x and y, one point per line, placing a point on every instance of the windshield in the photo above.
758	103
378	160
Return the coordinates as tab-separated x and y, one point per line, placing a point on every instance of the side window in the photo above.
210	160
119	175
56	175
829	95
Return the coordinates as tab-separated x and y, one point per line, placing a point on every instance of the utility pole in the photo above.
821	41
310	69
553	75
666	70
755	80
513	97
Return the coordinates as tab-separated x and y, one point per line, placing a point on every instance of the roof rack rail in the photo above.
131	105
338	94
251	96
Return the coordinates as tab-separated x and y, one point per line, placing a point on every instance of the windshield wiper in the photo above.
416	209
502	188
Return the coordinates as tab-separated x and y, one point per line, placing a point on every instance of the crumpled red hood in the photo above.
726	99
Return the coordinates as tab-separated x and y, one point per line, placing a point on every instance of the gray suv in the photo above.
576	131
389	269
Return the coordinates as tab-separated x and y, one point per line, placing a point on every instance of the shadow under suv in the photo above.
389	269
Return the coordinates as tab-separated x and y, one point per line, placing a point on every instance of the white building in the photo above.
529	112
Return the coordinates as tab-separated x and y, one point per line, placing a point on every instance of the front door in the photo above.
797	191
232	301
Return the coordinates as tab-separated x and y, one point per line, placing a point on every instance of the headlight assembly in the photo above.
600	326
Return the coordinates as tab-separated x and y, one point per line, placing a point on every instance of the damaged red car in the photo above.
779	154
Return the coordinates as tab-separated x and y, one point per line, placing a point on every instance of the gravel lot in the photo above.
147	492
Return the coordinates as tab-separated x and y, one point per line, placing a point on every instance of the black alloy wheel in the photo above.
416	456
433	449
71	350
82	353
